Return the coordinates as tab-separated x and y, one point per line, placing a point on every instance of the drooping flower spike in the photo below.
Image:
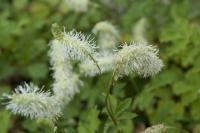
139	30
78	5
30	101
108	35
66	82
105	27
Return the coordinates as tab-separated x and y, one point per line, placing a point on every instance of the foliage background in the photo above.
172	97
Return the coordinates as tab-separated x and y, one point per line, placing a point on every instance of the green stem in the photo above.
95	62
136	88
55	130
107	100
111	115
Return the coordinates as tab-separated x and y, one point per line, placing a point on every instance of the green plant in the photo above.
30	101
171	97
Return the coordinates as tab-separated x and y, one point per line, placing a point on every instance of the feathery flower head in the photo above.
141	59
105	61
78	5
106	41
160	128
108	35
78	46
105	27
30	101
74	44
56	53
139	30
66	83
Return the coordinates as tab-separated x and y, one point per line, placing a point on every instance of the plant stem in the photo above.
136	88
95	62
107	101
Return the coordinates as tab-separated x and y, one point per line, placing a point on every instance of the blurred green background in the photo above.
172	97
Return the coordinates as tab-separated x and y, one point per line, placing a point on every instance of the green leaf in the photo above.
127	115
4	121
123	106
37	70
90	122
189	97
181	87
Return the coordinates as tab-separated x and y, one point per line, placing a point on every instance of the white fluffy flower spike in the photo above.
160	128
75	45
108	35
139	58
139	30
78	5
66	83
106	27
30	101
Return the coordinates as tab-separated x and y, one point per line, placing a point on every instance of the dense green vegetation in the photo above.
172	97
